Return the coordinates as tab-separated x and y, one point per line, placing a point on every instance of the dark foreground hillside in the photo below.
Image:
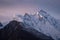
14	31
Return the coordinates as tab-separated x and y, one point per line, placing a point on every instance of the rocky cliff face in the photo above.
17	31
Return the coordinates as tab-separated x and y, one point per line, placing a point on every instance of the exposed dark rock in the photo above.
1	25
15	31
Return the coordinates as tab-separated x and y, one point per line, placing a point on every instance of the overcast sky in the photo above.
8	8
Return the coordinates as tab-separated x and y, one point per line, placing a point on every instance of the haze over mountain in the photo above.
12	7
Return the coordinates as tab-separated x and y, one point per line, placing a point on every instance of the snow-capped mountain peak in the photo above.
42	22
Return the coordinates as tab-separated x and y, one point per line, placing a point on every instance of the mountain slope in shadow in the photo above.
14	31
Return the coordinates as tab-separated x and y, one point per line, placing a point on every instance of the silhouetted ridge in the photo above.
15	31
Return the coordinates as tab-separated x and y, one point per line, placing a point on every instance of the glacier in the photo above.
42	22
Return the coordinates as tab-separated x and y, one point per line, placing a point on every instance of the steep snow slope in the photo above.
54	22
